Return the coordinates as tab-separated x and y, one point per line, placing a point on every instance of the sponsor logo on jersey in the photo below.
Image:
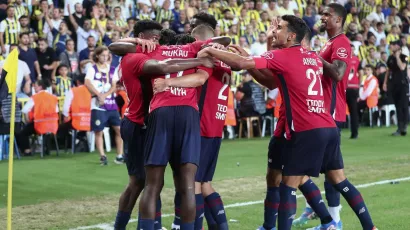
267	55
341	52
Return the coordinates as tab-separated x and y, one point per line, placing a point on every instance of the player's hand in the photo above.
217	46
160	85
101	98
385	87
273	26
146	45
238	50
203	53
397	53
207	61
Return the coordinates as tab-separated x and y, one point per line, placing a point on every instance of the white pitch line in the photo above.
109	226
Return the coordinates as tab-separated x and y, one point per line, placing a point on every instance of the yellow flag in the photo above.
10	67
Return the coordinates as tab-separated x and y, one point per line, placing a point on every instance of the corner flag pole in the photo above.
11	158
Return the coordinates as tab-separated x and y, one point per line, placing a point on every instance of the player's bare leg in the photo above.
119	145
353	197
214	208
272	199
127	201
153	186
100	147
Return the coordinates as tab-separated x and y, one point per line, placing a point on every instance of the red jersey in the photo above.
301	87
176	96
213	100
353	81
337	48
139	91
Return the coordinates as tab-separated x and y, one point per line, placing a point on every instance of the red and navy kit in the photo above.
213	100
353	81
176	95
337	48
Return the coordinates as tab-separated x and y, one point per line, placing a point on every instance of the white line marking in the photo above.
109	226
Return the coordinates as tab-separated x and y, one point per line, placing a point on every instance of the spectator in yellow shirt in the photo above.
285	9
234	8
273	9
393	35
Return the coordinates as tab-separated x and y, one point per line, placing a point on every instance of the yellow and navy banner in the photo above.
9	75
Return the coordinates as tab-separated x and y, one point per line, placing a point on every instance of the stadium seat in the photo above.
388	109
249	125
371	112
43	142
272	121
4	149
107	140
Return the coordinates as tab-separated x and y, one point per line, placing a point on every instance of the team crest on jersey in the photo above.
267	55
341	52
98	75
97	122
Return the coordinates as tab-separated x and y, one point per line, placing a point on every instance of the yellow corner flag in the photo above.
8	81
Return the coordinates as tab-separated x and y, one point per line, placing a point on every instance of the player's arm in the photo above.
335	70
129	45
187	81
154	67
235	61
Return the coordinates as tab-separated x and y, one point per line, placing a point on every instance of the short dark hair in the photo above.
146	25
226	10
9	6
308	34
91	37
185	39
69	40
23	16
43	83
369	66
203	31
62	66
206	18
339	10
167	36
296	25
117	7
22	34
42	40
80	78
131	18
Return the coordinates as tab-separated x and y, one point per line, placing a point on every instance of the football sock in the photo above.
158	224
287	207
177	203
188	226
145	224
307	204
210	219
333	201
121	220
199	218
356	202
216	206
271	207
315	200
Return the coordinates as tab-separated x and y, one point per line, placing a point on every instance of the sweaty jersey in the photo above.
176	95
337	48
213	100
301	87
139	89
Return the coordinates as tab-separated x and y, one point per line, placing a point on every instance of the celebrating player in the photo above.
139	92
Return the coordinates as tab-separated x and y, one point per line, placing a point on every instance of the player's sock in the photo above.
307	204
271	207
356	202
315	200
287	207
158	224
145	224
188	226
121	220
209	218
333	201
177	203
199	218
217	209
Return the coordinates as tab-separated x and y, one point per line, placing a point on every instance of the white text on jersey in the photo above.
175	53
316	106
309	61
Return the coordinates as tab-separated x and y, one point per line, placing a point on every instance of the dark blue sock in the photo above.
177	203
199	218
332	195
209	218
287	207
145	224
158	224
271	207
188	226
315	200
121	220
217	209
356	202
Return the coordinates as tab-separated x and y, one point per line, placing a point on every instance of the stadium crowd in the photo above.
57	42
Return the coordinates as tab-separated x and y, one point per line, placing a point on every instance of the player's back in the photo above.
176	96
213	100
301	88
138	88
337	48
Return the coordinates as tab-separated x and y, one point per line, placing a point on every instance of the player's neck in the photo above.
334	32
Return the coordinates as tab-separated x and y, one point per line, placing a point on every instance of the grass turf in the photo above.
74	190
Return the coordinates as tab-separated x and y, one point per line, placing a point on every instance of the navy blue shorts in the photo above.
173	136
276	150
101	119
209	156
336	160
310	152
133	135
